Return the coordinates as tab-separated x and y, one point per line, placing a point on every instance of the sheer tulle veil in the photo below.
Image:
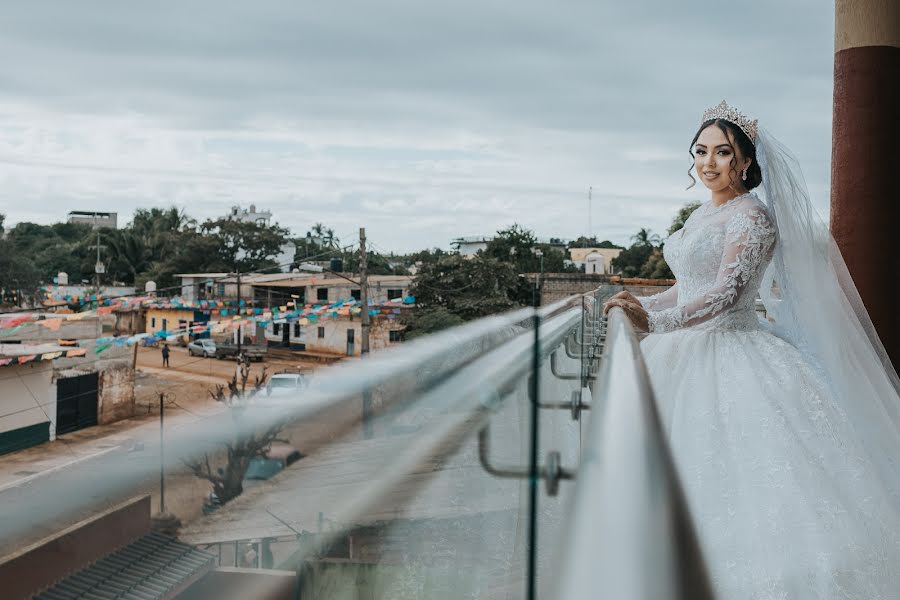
808	292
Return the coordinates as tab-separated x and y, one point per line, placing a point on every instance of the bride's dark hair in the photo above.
754	173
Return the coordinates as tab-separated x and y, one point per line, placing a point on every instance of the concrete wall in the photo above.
46	562
556	286
27	400
33	333
335	334
115	394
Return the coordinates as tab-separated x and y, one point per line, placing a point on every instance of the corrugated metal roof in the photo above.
152	568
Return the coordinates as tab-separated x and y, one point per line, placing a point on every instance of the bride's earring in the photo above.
744	174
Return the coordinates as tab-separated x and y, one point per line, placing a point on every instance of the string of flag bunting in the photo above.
240	313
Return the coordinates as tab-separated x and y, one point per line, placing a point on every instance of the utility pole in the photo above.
364	292
590	210
240	327
162	459
364	330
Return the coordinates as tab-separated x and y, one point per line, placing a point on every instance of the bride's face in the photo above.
718	160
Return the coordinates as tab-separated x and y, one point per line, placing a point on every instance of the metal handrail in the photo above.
630	534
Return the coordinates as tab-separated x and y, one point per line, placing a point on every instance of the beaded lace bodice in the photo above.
718	258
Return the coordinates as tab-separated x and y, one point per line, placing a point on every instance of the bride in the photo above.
785	431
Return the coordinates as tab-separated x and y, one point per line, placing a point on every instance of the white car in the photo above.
286	385
204	347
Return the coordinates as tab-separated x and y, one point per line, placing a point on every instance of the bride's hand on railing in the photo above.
633	310
623	295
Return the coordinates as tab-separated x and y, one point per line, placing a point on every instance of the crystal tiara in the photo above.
732	115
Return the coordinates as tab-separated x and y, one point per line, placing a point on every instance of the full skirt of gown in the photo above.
784	502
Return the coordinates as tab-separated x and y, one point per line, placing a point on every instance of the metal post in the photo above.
240	327
365	324
364	292
162	459
534	479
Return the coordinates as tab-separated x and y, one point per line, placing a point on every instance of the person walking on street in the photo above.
165	355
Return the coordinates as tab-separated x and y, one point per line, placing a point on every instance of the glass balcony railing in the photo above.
518	456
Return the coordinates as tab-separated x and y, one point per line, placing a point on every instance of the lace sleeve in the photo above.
660	301
749	237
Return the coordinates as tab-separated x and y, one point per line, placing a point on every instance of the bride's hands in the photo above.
633	310
623	295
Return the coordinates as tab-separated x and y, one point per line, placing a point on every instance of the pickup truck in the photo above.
252	352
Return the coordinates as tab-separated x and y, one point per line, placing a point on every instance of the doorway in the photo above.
76	403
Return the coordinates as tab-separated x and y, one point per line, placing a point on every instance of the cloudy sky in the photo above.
422	121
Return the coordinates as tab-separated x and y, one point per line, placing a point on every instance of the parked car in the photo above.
205	347
249	351
286	385
279	457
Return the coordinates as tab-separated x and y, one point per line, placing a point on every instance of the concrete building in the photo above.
335	335
96	387
95	219
594	260
472	245
172	318
326	288
249	215
27	397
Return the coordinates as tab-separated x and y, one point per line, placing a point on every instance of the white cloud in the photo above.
421	122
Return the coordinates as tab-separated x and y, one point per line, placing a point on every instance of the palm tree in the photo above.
644	237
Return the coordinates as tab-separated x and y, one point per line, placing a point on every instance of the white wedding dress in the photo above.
782	494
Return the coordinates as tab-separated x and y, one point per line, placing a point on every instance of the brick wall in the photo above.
556	286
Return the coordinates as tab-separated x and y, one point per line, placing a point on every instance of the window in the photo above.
297	329
357	294
221	289
321	333
276	328
394	336
322	294
165	325
153	322
394	293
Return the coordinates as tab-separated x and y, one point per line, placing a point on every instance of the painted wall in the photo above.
27	400
334	335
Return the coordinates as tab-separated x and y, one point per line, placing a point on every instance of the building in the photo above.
95	219
325	288
170	318
339	335
250	215
472	245
203	286
594	260
67	387
27	396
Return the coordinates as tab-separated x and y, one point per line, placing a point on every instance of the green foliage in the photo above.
518	246
591	242
468	288
245	246
681	218
424	321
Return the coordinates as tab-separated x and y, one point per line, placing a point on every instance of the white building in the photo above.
594	260
249	215
93	218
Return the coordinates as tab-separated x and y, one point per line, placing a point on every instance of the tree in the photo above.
468	287
245	246
424	321
644	237
228	479
591	242
681	218
518	246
